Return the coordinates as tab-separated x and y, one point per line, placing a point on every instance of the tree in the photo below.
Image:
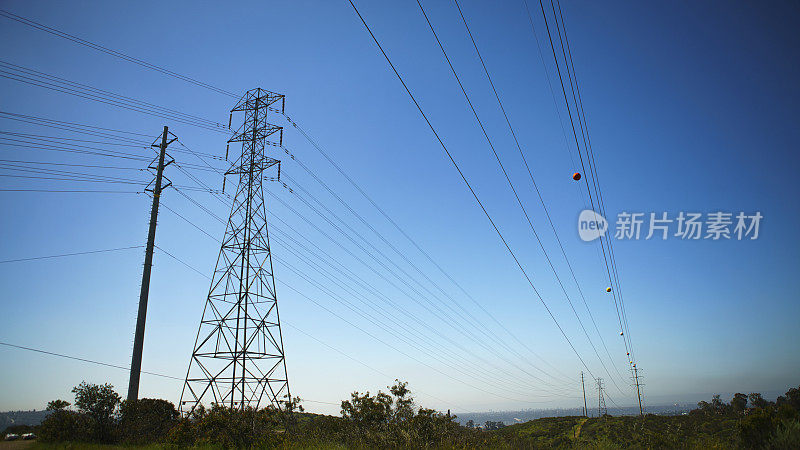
739	403
792	398
756	401
57	405
718	405
368	411
703	407
394	421
403	403
99	402
470	424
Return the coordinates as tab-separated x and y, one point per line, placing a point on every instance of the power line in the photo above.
508	179
593	167
54	83
111	52
583	167
612	279
474	194
24	163
541	199
71	191
143	63
59	139
60	355
25	72
306	334
72	126
350	305
406	236
116	366
335	297
220	220
355	309
35	258
479	324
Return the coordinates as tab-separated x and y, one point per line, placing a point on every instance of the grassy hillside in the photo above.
624	432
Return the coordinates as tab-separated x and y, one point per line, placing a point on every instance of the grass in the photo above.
623	432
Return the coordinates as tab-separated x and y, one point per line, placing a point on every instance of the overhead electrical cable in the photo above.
511	185
36	258
51	82
593	167
538	192
318	212
106	50
373	336
474	194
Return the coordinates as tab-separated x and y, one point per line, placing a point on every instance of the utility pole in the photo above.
138	341
601	400
638	385
583	386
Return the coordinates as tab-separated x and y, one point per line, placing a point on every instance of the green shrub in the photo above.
756	428
146	420
63	425
787	436
229	428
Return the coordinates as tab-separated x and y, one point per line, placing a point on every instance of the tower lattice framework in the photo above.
238	357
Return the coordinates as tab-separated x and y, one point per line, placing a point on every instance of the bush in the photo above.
146	420
756	428
63	425
787	436
394	421
229	428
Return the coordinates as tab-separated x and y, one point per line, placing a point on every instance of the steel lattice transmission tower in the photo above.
238	359
601	399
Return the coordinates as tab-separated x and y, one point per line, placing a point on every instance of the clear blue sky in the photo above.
691	107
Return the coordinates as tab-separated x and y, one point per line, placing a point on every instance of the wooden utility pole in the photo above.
138	341
585	409
638	388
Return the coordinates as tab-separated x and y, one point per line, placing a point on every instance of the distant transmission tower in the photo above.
238	358
601	399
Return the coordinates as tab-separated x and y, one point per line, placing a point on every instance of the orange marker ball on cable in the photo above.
576	176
